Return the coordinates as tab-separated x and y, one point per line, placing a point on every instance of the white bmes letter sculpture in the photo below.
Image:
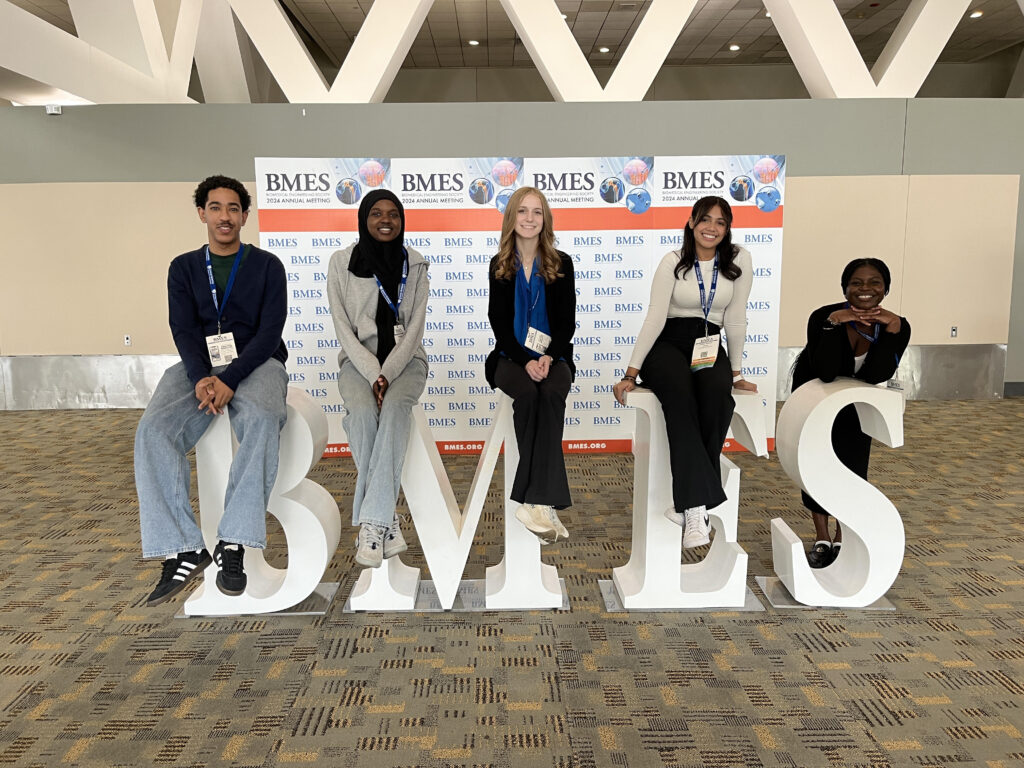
653	578
307	512
519	582
873	537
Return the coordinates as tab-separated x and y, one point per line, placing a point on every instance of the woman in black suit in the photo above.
532	309
857	338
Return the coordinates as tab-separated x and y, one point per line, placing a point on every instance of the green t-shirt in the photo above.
221	266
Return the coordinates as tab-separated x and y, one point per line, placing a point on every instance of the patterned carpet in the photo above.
91	677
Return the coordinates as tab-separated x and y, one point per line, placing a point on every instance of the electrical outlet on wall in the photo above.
952	332
127	340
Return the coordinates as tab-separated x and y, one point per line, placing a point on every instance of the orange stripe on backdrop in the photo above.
489	220
473	448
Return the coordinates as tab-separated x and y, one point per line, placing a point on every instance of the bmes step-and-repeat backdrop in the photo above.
616	217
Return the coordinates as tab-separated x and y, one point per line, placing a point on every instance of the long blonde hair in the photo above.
549	261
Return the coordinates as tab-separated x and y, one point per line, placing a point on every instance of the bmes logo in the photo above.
588	309
333	408
321	310
629	239
428	406
693	180
607	258
307	293
441	422
572	421
311	360
478	258
457	342
432	182
588	373
477	293
607	325
614	290
587	341
319	277
296	377
493	242
326	242
588	274
458	242
601	389
629	307
625	340
441	293
427	342
476	325
293	277
294	344
479	421
478	389
565	182
755	370
460	309
607	357
458	277
321	393
310	260
327	344
671	239
762	271
759	306
629	274
464	374
586	405
292	311
461	406
594	240
443	325
417	242
284	242
477	357
440	258
298	182
606	421
328	375
440	358
441	391
765	238
574	389
309	327
758	338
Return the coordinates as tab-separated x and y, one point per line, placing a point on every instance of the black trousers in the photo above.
851	445
539	415
698	408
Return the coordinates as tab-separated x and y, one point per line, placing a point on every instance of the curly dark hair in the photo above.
856	264
217	182
727	252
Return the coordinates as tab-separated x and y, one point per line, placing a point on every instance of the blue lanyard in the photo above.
231	282
401	288
876	329
711	294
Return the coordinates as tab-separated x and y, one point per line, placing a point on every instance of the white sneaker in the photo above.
561	532
394	541
537	521
370	545
675	517
696	532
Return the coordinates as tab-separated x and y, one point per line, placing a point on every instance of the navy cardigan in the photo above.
255	313
561	305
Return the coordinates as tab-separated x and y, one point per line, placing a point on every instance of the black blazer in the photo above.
828	353
561	305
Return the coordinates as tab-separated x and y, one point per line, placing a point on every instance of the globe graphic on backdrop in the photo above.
612	189
481	191
638	200
741	188
766	170
505	173
768	199
636	171
372	173
502	200
348	191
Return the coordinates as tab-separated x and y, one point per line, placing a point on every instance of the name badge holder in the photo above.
399	327
221	346
705	349
536	340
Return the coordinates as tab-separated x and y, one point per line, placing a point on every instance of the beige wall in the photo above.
84	264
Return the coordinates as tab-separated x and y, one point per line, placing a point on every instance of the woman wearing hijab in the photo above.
378	293
532	309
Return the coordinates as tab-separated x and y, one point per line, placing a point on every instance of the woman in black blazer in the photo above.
860	339
532	309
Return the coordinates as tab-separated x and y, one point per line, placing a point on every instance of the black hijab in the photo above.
372	258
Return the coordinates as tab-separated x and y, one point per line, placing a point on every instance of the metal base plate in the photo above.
317	604
778	596
470	597
612	603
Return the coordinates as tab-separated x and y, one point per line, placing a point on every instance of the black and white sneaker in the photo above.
178	571
231	576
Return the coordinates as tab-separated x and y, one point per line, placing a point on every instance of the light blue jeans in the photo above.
379	439
171	426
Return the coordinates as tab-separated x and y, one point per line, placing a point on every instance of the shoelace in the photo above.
170	568
231	561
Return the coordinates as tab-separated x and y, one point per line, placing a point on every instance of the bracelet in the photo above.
737	377
629	378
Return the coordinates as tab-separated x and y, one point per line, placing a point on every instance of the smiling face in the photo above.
384	221
866	288
529	218
709	231
224	219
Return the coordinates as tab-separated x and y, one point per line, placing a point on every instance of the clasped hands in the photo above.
213	395
538	369
867	317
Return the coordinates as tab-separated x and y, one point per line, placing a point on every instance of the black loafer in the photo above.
820	556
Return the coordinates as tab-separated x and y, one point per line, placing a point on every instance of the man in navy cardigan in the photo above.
227	305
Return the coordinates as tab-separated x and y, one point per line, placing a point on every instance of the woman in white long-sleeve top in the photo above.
697	291
378	292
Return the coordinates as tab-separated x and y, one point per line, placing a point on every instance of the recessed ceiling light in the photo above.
767	14
473	42
977	14
602	49
734	47
565	16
